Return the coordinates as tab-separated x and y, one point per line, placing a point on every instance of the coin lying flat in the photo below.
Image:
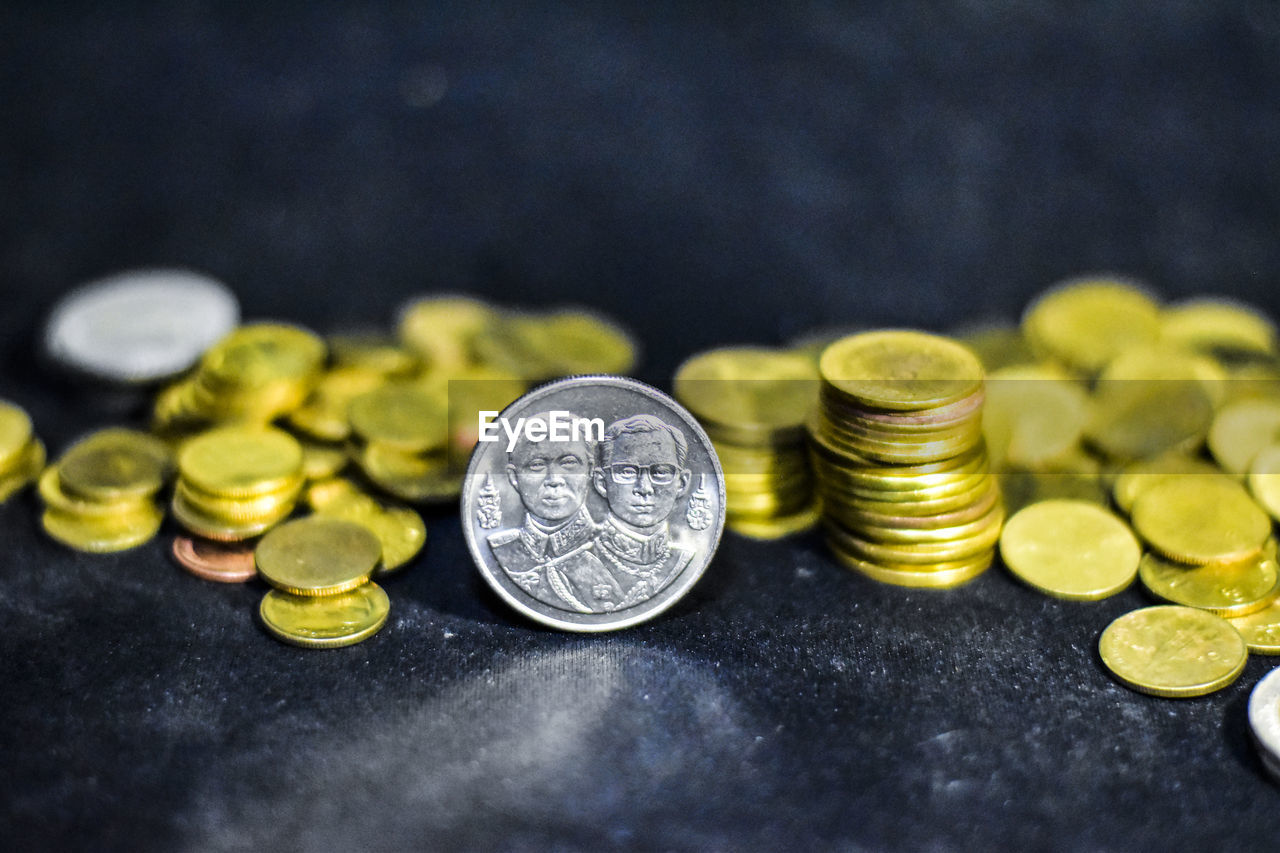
1201	520
1264	480
604	510
1241	430
901	370
102	535
401	531
1227	589
115	464
1218	325
1070	549
1173	651
325	623
1264	721
1086	322
1260	629
237	462
140	326
317	556
1140	476
215	561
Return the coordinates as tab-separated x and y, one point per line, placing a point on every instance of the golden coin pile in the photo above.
22	455
400	441
753	403
902	470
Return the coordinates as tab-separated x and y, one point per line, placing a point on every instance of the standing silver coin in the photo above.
140	326
1264	719
593	503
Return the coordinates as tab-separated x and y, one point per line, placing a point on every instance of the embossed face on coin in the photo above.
592	503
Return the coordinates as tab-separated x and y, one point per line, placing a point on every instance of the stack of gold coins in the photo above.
400	441
320	568
236	482
100	496
22	455
753	403
255	374
902	470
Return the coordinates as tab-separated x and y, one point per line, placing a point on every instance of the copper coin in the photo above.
215	561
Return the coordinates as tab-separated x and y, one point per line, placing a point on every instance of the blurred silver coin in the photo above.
1264	719
140	326
592	503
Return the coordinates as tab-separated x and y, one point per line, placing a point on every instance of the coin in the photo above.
603	512
15	434
400	530
330	622
1137	477
1173	651
112	464
102	535
1070	549
901	370
1200	520
239	461
1030	417
402	417
1217	325
49	485
1264	480
25	469
215	561
442	328
317	556
1264	721
1260	629
1085	322
1227	589
1241	430
938	576
141	325
1138	419
750	395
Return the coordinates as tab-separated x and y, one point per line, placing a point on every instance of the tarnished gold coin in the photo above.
317	556
405	417
1200	520
1173	651
115	464
1260	629
325	623
400	530
901	370
241	461
49	485
1070	549
102	535
215	561
1137	477
749	395
15	434
1218	326
1084	323
1264	480
1241	430
1227	589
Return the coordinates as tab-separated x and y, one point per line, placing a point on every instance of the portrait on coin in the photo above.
642	474
551	554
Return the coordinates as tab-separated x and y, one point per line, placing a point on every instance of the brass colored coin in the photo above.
1241	430
1032	419
56	498
323	415
1140	476
271	506
241	461
215	561
373	353
330	622
997	345
259	354
1264	480
1173	651
15	435
1227	589
775	527
1218	325
405	417
27	467
318	556
322	461
102	536
115	463
322	492
415	478
1260	629
1070	549
1134	419
1164	362
1084	323
442	329
753	393
901	370
1201	520
219	529
579	342
400	530
940	576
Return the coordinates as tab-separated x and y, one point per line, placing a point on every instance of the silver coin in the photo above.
1264	719
140	326
593	503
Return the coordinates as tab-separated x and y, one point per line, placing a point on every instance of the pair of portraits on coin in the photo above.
593	503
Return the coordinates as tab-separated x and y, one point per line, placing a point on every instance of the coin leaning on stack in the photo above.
907	494
22	455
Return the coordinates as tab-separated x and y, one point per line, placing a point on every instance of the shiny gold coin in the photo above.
1201	520
28	466
749	394
49	485
1134	419
115	464
259	354
330	622
775	527
1084	323
415	478
219	529
442	329
404	417
374	353
316	495
1241	431
1218	325
1163	362
1137	477
15	435
102	535
901	370
1070	549
270	506
322	461
1030	418
400	530
1260	629
923	555
1173	651
323	415
1264	480
997	345
1227	589
318	556
896	534
940	576
241	461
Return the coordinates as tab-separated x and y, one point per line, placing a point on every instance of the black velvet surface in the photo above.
710	174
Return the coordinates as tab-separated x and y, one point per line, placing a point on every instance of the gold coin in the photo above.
219	529
1031	419
241	461
28	466
1070	549
400	530
1133	419
997	345
1163	362
775	527
325	623
318	494
260	354
15	435
1227	589
323	415
442	329
580	342
414	478
1241	430
115	463
1084	323
401	416
1022	489
1140	476
753	394
374	353
270	506
1260	629
940	576
1264	480
1173	651
901	370
102	535
56	498
317	556
1218	325
321	461
1200	520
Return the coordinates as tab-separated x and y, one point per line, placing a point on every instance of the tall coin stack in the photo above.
908	497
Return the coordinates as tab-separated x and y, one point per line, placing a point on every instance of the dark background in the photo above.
709	174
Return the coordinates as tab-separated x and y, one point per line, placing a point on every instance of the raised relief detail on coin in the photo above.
595	476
